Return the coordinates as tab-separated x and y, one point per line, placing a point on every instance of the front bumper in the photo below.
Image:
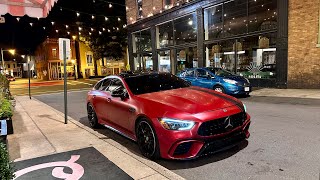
235	89
184	145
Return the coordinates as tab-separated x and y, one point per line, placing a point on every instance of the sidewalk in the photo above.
293	93
39	130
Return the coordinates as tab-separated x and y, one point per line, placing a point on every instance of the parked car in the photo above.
10	78
217	79
166	116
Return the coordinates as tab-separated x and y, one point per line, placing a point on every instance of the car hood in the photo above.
236	78
190	100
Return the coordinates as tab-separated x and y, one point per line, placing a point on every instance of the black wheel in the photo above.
147	139
92	117
219	89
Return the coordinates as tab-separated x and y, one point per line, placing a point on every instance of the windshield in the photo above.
149	83
220	72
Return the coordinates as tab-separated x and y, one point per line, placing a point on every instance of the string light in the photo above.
104	29
44	28
90	33
109	30
106	18
80	28
68	33
57	31
110	5
117	29
18	19
92	29
100	32
119	19
78	14
31	24
52	22
92	16
79	33
67	26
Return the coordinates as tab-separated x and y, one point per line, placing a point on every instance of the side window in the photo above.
202	73
115	85
104	84
189	74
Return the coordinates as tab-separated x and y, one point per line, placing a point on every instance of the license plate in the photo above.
247	89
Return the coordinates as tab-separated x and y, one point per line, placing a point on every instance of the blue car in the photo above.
217	79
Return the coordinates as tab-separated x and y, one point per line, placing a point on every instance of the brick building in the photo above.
48	64
273	43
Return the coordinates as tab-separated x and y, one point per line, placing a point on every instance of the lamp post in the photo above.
12	51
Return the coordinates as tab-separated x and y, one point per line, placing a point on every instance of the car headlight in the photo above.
230	81
174	124
245	108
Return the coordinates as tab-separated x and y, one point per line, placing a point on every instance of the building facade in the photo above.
264	41
48	64
104	67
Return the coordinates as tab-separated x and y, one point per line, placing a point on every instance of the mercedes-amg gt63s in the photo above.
166	116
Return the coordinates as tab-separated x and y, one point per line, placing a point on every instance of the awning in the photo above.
32	8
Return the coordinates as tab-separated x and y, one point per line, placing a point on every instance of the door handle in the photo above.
108	99
93	96
132	110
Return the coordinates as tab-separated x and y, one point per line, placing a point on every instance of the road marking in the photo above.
54	92
77	169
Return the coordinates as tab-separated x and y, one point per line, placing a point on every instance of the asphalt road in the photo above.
284	142
21	86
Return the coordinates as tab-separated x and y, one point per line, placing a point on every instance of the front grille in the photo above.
222	144
221	125
183	148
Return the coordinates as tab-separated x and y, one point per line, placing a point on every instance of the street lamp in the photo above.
12	51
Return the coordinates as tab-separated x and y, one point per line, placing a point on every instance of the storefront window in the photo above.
164	35
141	41
185	29
235	17
164	61
145	40
221	55
186	58
262	15
251	57
257	58
213	22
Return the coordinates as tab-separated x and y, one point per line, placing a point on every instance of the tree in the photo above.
110	43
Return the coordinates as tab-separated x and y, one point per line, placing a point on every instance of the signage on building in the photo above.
2	20
68	48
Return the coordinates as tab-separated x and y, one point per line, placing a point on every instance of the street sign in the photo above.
61	55
2	20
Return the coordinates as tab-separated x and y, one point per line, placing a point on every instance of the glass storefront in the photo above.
165	61
185	29
142	41
165	35
251	57
239	17
239	36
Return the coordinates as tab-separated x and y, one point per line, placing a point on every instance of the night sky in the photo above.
23	37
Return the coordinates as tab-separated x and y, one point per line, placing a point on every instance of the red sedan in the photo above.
166	116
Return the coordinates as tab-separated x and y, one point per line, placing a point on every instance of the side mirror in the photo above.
121	94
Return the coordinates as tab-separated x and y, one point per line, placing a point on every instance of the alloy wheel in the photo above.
92	117
146	139
219	89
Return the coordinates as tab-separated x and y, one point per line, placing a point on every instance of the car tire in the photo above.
219	89
147	139
92	117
